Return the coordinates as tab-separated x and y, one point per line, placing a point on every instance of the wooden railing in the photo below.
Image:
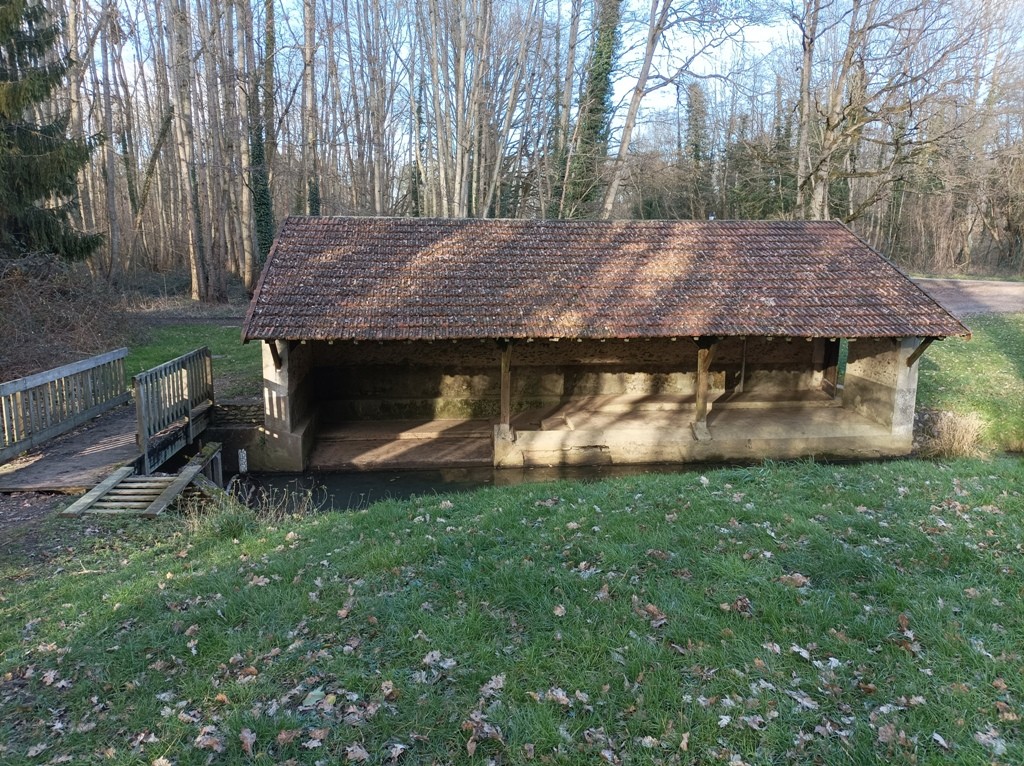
173	403
39	407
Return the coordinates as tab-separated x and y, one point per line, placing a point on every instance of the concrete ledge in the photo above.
599	448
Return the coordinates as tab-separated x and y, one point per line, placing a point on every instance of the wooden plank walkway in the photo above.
126	493
77	461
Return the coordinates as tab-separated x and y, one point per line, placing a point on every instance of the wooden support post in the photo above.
706	346
830	367
505	410
743	369
275	354
912	359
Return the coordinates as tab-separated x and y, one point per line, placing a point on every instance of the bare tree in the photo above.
707	26
181	58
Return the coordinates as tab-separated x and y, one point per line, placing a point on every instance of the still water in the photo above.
360	489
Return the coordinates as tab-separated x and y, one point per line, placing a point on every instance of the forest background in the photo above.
212	119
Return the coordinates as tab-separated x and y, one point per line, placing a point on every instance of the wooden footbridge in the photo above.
115	459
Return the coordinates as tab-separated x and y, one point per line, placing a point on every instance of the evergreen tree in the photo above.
39	163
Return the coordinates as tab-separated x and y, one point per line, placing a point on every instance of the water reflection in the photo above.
356	490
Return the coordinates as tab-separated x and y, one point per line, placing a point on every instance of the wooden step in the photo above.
125	493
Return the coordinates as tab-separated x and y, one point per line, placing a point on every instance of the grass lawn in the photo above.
789	613
797	613
236	367
983	375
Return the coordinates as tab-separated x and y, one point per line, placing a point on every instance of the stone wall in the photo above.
881	386
289	410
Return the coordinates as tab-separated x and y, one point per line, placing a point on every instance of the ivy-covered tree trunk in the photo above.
39	163
699	185
581	188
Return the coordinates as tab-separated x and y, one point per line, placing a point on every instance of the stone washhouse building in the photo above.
391	342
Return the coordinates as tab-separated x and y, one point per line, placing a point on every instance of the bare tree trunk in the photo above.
110	160
185	134
808	24
269	90
244	84
655	28
218	209
310	171
568	77
75	30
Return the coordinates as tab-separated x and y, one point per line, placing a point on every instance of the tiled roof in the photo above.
442	279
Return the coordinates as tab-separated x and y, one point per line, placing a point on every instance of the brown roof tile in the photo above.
442	279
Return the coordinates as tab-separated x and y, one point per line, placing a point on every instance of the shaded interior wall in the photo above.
458	380
880	385
771	365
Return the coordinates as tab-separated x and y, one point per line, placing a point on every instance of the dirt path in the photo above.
963	297
22	538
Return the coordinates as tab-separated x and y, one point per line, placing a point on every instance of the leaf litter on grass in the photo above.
833	618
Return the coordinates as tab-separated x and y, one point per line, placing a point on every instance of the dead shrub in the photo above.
56	315
952	434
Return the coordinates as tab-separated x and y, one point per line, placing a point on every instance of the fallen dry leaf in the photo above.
802	699
248	740
396	750
795	580
493	687
356	753
209	739
657	616
559	610
990	738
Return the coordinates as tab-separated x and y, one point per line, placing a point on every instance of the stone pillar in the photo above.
288	410
905	402
879	385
